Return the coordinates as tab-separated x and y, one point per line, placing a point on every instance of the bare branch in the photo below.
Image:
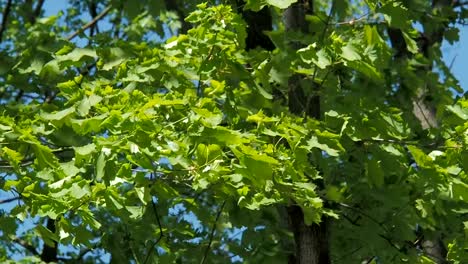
90	24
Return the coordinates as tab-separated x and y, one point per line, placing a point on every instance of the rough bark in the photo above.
312	245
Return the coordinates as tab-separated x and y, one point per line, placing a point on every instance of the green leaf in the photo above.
86	104
410	43
44	157
366	69
11	155
452	35
319	58
372	36
313	142
260	117
459	190
77	54
222	136
208	153
58	115
312	216
208	118
396	14
375	174
350	53
83	153
112	201
282	4
88	125
80	189
252	153
47	235
420	157
459	111
100	166
89	219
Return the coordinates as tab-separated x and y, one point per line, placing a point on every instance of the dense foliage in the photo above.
140	137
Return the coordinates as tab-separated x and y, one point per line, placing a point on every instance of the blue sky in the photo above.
458	53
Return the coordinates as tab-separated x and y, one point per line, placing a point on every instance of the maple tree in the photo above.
266	131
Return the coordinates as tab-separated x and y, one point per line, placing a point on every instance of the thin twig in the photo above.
161	234
90	24
452	62
380	224
83	253
158	221
349	253
322	36
352	21
9	200
366	215
213	229
4	164
5	14
390	242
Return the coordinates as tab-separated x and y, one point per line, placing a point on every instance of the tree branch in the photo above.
37	10
213	229
90	23
50	252
380	224
156	215
83	253
5	14
26	245
161	234
9	200
93	12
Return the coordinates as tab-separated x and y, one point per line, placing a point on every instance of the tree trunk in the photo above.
50	253
311	242
312	245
